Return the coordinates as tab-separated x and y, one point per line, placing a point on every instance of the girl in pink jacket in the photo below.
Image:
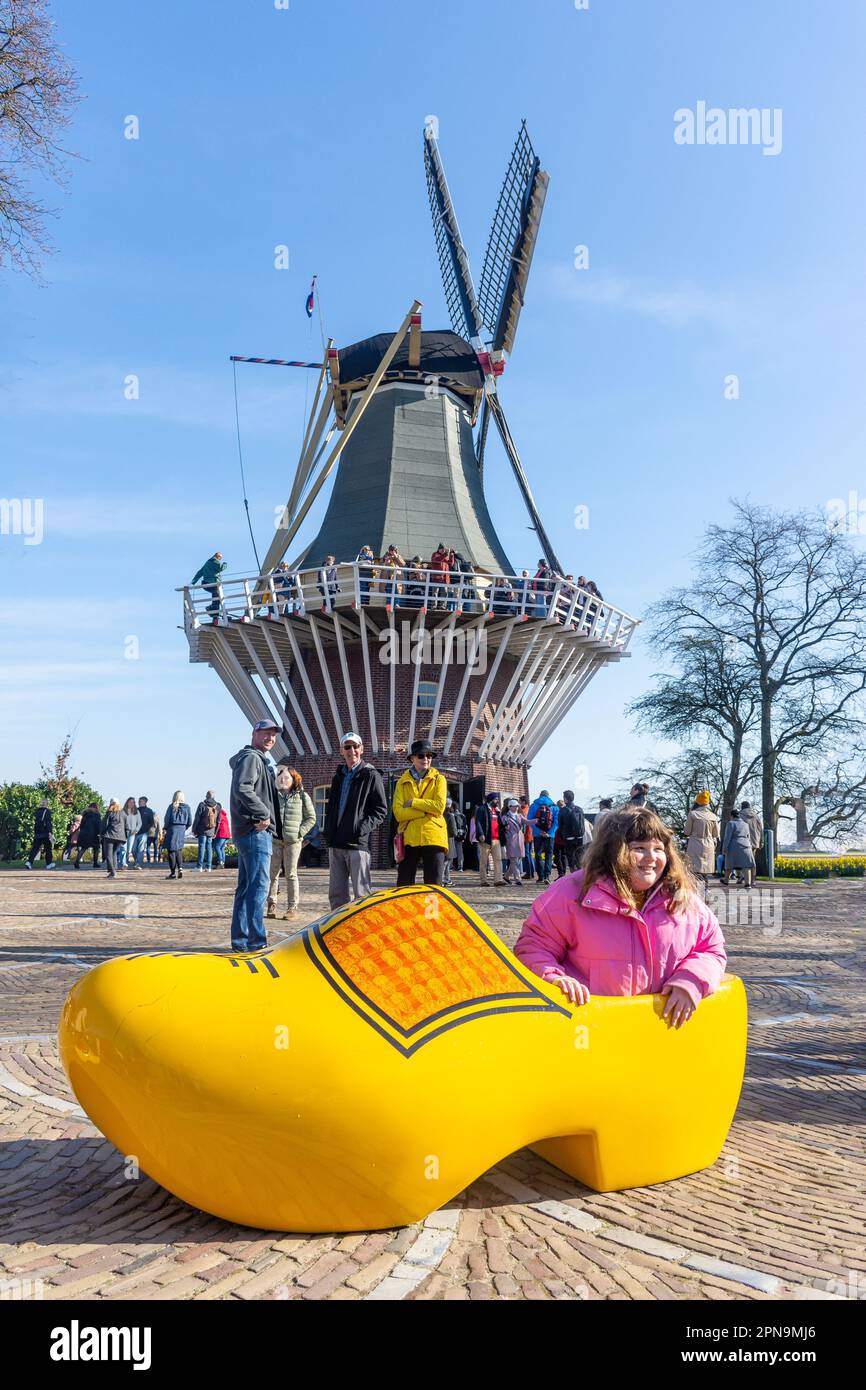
629	922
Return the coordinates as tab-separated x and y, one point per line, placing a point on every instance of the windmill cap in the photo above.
351	737
265	724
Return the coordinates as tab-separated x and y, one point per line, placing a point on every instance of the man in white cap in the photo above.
254	813
356	806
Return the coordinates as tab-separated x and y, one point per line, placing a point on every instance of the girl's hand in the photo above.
572	989
680	1005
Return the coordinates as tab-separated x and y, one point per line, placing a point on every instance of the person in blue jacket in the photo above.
543	815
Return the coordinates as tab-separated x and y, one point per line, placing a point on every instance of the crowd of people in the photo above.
630	864
446	582
131	835
622	854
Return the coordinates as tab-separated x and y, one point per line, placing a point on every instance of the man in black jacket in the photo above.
43	836
356	806
571	828
254	817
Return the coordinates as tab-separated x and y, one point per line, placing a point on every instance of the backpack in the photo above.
543	819
459	825
209	817
571	823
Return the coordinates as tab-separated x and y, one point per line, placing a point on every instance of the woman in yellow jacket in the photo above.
419	804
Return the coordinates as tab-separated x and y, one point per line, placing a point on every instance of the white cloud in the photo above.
674	306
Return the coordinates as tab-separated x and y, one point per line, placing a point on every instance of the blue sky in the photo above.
261	126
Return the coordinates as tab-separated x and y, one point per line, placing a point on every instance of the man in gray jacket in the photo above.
753	820
254	818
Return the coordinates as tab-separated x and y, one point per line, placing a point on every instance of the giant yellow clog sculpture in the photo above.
366	1071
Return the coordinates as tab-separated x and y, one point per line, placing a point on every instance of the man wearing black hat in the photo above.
419	809
255	819
488	838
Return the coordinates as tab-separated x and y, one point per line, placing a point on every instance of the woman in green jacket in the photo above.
419	806
297	818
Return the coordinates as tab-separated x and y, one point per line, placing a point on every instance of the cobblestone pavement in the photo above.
779	1216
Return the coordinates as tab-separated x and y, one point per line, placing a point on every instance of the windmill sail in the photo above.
460	293
511	243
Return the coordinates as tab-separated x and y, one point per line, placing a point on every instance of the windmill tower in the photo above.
485	667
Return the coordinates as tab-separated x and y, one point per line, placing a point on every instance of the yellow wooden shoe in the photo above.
368	1070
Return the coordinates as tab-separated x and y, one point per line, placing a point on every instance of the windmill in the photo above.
481	662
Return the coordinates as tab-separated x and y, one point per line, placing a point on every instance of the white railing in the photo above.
284	594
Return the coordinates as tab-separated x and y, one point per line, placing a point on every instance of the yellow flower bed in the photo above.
820	865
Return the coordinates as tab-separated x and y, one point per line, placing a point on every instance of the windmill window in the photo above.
426	694
320	803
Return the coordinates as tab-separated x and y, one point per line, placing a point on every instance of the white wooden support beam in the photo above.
491	676
556	715
300	666
541	692
326	676
526	696
504	703
368	680
347	433
287	686
443	674
249	699
392	680
556	689
473	646
560	700
311	434
419	627
415	342
344	665
278	698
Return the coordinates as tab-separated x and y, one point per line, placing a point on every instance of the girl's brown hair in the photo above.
608	855
113	805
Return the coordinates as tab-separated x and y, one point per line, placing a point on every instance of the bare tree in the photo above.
711	696
38	90
831	803
784	597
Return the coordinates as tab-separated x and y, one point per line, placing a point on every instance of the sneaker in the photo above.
171	876
201	870
180	873
52	865
27	864
272	911
291	915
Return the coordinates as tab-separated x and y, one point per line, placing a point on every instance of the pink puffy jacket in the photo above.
612	949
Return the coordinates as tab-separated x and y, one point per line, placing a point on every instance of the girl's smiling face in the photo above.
647	861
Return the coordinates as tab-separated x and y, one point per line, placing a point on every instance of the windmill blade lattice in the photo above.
511	243
457	283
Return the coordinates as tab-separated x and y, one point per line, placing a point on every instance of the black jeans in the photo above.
542	847
41	842
175	861
573	854
83	850
432	858
109	854
214	606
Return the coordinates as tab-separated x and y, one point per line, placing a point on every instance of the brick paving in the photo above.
781	1215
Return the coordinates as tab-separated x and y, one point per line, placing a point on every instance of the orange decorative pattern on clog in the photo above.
411	982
